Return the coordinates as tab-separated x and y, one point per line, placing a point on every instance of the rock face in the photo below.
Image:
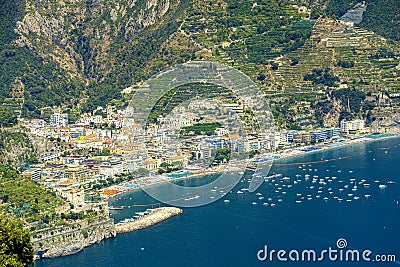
154	217
79	34
69	240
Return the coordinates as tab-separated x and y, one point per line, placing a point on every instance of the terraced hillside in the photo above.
371	60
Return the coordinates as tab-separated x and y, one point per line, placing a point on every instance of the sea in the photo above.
340	199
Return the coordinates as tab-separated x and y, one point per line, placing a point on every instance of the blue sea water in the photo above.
231	234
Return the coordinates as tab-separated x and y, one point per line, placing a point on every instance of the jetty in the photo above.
152	217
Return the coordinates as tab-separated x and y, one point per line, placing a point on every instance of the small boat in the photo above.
239	192
258	194
298	201
227	201
265	204
116	208
273	204
367	196
391	182
382	186
326	199
254	203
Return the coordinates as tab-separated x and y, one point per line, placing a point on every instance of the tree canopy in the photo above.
16	250
8	118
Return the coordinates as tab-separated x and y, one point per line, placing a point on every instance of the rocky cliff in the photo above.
68	240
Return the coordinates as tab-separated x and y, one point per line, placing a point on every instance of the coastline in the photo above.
59	247
154	216
283	155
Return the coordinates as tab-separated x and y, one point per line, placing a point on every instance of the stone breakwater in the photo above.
153	217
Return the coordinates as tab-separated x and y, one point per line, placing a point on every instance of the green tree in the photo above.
15	247
8	118
106	152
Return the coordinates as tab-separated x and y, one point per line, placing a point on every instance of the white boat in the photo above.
258	194
382	186
265	204
366	185
325	198
298	201
273	204
239	192
254	203
226	200
367	196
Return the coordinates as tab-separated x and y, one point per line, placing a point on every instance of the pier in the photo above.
153	217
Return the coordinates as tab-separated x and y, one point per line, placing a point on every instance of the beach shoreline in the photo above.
283	155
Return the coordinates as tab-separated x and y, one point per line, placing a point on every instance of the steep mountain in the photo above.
79	54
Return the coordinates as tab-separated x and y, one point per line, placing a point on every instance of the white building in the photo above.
352	126
59	120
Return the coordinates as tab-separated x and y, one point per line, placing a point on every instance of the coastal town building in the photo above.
353	126
59	120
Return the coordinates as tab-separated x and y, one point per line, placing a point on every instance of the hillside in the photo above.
22	198
381	16
81	54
